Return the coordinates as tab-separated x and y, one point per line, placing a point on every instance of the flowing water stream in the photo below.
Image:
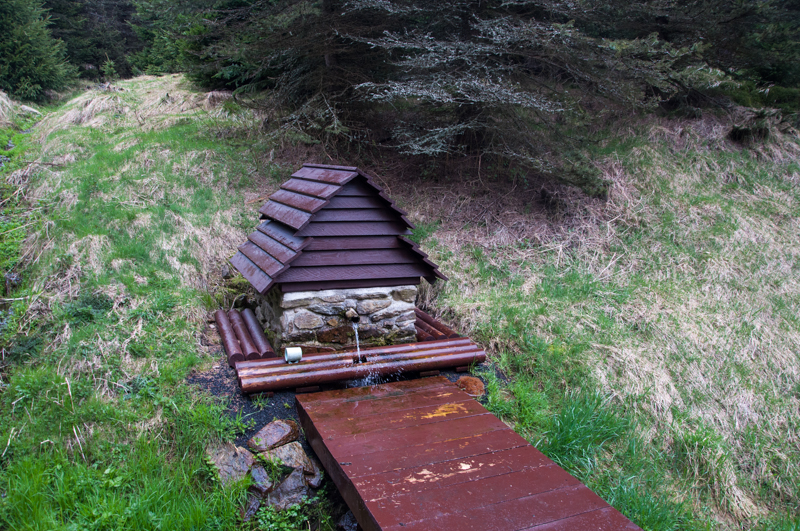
372	378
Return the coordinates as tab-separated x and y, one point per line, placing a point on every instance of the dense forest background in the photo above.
519	86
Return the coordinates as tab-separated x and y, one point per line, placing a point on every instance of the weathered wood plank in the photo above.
355	272
391	419
494	489
362	408
260	280
357	187
351	257
356	202
276	249
445	474
357	214
512	515
359	394
336	243
313	188
292	217
282	234
417	456
264	261
606	519
299	201
289	287
353	228
323	175
354	445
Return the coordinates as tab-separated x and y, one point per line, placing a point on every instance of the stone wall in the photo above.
318	319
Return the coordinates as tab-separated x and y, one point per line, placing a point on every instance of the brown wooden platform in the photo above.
424	455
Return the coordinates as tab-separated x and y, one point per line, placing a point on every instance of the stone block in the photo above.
340	334
404	319
299	299
394	310
405	293
290	455
368	332
307	320
276	433
261	484
291	491
370	306
232	462
327	309
331	296
299	335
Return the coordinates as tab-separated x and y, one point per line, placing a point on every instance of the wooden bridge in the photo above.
423	455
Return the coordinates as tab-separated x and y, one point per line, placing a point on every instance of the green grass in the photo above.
99	429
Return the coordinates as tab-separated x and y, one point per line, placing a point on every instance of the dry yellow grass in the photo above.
704	236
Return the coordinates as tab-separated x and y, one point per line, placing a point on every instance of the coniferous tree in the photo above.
31	60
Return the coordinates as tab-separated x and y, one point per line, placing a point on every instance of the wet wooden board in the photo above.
423	455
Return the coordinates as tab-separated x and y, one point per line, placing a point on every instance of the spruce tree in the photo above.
31	60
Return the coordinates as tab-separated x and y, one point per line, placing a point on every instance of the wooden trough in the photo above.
316	369
260	370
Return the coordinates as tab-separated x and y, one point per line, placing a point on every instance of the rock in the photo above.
347	522
406	318
351	313
291	491
262	484
226	271
372	306
327	309
370	293
405	293
368	332
232	462
251	507
290	455
471	385
395	309
298	299
307	320
300	335
340	334
331	296
314	480
333	321
274	434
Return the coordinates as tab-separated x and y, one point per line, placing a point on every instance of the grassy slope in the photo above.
651	349
654	349
142	199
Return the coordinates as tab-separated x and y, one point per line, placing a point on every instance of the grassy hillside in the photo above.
648	343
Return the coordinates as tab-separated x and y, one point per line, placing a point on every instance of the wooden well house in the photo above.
333	249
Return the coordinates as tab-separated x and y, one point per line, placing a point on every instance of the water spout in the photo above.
358	345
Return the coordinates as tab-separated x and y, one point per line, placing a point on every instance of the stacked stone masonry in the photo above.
321	319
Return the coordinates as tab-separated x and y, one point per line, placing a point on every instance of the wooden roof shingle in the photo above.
331	227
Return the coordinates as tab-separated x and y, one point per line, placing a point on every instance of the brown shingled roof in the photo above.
331	227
